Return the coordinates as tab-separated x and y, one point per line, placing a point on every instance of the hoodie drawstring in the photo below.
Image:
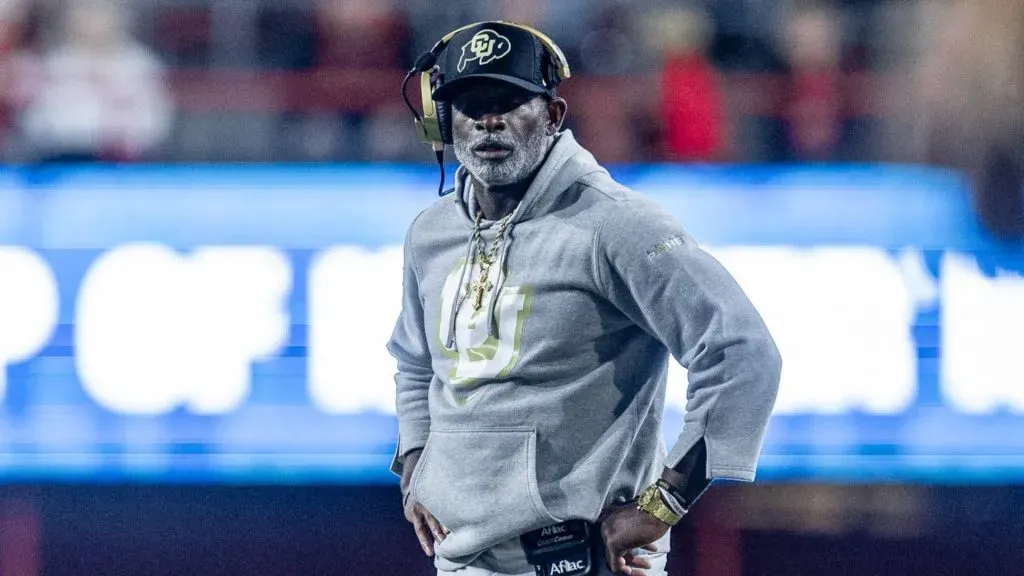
457	300
492	325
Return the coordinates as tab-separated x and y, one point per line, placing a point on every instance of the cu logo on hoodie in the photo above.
485	46
482	350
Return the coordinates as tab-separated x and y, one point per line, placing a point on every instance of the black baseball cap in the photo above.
496	51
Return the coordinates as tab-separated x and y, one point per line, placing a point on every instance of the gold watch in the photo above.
650	501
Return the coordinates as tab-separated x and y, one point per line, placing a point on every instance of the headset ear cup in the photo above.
444	118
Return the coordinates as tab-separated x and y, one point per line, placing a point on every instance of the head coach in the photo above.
542	304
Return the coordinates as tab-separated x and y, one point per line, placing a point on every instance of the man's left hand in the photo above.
624	529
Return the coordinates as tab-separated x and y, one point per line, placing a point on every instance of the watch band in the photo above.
651	502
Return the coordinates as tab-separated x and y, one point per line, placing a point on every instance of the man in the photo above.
542	301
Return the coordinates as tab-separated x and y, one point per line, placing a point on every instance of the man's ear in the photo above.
556	114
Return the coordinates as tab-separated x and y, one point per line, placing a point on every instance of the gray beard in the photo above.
525	157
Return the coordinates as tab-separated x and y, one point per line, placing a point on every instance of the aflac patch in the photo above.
485	46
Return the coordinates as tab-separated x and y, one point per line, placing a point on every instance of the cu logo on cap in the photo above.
485	46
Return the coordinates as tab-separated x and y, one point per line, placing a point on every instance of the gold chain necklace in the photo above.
486	259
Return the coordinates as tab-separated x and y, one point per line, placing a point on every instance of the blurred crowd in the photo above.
77	85
654	80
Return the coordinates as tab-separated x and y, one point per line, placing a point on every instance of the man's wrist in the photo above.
672	502
409	461
653	502
674	479
674	497
687	481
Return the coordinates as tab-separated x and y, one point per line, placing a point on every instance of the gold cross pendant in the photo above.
480	286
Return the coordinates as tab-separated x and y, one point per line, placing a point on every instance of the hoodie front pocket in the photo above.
481	484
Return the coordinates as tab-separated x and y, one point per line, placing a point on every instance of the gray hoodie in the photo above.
545	404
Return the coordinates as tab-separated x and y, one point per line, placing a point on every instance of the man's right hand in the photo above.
428	529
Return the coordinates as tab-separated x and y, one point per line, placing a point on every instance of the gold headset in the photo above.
434	126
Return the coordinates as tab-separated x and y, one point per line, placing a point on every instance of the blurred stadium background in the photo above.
201	209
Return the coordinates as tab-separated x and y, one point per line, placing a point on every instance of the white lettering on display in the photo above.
355	296
28	307
982	337
157	330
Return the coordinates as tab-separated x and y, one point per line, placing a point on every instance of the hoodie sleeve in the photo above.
408	345
654	272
